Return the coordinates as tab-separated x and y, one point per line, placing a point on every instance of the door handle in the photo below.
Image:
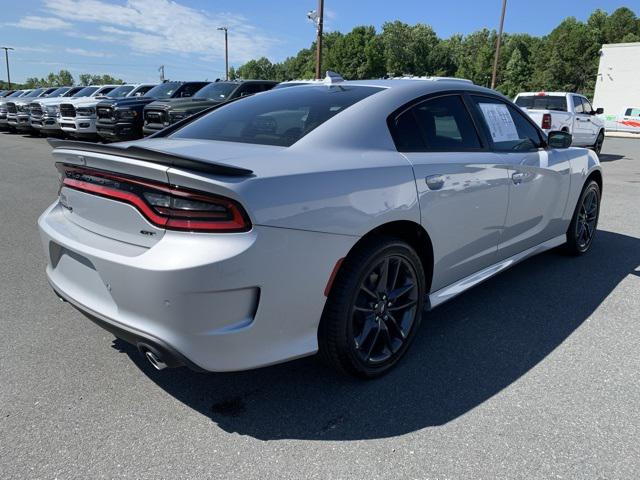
518	177
435	182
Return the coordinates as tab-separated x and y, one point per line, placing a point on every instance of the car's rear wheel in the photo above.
585	220
374	308
597	147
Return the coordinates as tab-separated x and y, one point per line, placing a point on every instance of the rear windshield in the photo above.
542	102
164	90
278	117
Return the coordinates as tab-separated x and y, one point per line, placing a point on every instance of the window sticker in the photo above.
500	122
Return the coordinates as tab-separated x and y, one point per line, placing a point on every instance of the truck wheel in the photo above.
597	147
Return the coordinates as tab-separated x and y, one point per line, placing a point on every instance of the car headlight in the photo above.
175	116
127	114
86	111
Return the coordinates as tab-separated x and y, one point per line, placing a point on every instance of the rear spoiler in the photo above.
153	156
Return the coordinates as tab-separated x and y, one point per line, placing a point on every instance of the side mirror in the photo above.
599	111
559	139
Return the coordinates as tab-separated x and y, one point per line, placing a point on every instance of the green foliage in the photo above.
566	59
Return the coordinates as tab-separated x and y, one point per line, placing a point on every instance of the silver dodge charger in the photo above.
325	218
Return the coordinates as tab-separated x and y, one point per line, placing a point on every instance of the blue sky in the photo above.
132	38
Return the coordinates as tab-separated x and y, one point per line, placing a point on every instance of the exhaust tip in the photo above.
154	360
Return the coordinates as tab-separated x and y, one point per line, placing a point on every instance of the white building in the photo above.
618	82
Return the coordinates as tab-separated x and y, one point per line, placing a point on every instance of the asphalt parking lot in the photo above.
534	374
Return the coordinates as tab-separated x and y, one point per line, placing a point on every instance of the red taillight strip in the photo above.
238	223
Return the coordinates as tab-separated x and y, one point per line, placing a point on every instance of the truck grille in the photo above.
35	109
11	107
67	110
155	116
105	114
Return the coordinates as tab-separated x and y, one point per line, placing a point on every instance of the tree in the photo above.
396	41
63	78
516	75
422	46
85	79
620	23
357	54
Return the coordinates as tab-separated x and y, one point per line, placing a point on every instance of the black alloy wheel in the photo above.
374	308
585	220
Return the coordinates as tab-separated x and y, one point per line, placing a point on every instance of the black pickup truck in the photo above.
162	113
122	119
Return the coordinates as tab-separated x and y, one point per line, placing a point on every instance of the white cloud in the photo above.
33	22
87	53
164	27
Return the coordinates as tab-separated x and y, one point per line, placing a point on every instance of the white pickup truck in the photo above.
567	112
628	120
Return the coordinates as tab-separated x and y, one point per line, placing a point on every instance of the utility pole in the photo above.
226	51
161	70
498	42
6	57
319	40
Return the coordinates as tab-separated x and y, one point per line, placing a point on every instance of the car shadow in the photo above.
610	157
467	351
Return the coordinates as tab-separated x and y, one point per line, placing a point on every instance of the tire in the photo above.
597	147
362	333
584	223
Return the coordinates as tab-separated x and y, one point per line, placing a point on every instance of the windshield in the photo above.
58	92
279	117
216	91
104	91
72	91
164	90
34	93
121	91
85	92
17	93
542	102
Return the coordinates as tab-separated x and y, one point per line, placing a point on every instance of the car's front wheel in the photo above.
374	308
585	220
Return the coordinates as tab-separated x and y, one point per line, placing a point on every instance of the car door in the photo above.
462	186
582	128
594	123
539	176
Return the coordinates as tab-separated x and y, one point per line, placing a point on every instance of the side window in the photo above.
577	104
508	126
632	112
441	123
586	106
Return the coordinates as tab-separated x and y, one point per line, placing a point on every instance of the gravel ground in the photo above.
532	375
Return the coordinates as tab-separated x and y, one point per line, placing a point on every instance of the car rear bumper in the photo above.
223	302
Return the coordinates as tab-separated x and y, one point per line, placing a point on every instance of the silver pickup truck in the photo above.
564	111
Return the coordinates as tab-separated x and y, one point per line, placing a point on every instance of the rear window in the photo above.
542	102
279	117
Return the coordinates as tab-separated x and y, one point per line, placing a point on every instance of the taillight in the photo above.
546	121
166	206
